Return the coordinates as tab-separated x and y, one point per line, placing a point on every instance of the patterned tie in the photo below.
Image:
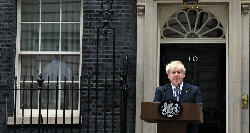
176	94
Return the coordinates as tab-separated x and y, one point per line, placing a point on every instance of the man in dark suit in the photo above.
188	93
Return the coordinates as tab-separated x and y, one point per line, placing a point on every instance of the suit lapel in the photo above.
184	92
169	92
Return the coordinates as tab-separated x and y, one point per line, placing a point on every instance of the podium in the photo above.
192	113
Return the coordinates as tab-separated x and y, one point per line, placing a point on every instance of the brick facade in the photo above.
7	42
8	23
125	44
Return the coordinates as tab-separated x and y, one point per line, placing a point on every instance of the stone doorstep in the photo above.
51	120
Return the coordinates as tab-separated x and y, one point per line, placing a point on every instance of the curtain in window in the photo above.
50	37
71	10
70	37
29	37
50	11
30	11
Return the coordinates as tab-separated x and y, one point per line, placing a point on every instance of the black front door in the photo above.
206	68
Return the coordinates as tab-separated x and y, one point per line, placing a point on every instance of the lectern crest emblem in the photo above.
170	109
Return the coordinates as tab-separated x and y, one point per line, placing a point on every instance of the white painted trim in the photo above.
193	40
234	101
18	53
80	64
147	42
20	82
35	113
159	40
50	22
48	53
51	120
227	71
245	69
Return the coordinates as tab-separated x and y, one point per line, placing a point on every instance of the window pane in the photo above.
68	96
29	67
70	37
70	67
29	37
71	10
50	94
50	10
30	11
50	37
50	66
26	95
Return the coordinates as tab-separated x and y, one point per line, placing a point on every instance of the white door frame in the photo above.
237	61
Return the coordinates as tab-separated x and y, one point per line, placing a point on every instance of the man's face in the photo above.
176	77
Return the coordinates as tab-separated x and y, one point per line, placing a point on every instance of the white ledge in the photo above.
51	120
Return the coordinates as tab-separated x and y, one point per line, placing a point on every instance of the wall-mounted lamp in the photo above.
190	2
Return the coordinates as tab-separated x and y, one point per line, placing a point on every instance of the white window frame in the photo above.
35	112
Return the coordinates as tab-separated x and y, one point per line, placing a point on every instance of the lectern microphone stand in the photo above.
192	113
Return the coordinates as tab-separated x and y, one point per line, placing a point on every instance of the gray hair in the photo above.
175	65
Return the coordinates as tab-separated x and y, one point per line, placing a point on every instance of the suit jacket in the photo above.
189	94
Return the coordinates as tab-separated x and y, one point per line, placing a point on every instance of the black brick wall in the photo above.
7	42
125	44
7	54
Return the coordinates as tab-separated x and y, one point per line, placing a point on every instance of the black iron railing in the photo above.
102	104
101	109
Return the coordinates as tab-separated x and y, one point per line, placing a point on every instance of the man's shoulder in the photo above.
190	86
162	87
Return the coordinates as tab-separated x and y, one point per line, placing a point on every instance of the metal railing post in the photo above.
40	83
23	102
15	95
124	91
31	97
72	102
47	120
56	103
64	100
80	101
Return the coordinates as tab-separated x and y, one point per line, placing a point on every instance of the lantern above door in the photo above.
190	2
